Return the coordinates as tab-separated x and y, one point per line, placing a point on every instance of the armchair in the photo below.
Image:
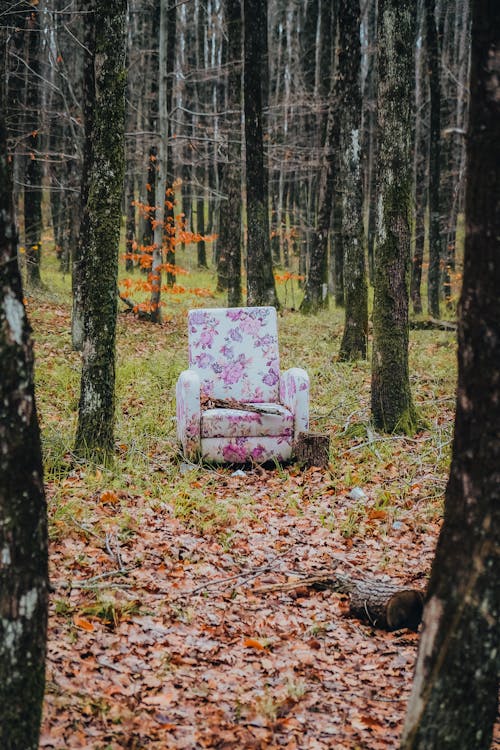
234	358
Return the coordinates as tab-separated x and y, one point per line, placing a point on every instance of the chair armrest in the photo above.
187	392
294	394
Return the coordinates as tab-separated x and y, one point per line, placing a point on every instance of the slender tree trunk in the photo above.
421	161
435	252
130	242
23	523
337	222
453	705
33	177
157	257
316	286
77	271
230	212
100	231
315	292
369	119
261	289
169	219
355	337
392	405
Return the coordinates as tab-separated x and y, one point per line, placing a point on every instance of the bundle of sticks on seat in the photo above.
208	402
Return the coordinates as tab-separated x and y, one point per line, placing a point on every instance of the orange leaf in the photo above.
109	496
254	643
82	623
377	514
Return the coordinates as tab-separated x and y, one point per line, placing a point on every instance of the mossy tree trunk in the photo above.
100	230
229	266
355	336
77	269
391	401
261	288
23	522
453	705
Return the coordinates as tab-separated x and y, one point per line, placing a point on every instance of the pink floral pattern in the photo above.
240	423
246	450
233	353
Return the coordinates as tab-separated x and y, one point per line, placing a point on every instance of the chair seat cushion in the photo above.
220	423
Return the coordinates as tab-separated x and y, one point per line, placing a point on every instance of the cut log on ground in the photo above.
384	604
312	449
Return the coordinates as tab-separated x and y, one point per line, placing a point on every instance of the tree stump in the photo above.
312	449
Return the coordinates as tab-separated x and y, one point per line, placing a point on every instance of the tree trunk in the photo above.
23	523
421	161
77	271
453	705
100	231
230	209
435	253
33	176
169	218
355	337
261	288
369	119
130	220
391	401
315	291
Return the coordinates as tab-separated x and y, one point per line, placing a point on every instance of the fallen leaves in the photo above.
83	623
158	634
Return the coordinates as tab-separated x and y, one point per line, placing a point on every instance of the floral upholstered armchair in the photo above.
233	403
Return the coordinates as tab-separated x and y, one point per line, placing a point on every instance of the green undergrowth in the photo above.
402	477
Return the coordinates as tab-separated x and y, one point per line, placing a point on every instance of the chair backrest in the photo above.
235	352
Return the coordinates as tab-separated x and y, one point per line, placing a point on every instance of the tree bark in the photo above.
261	288
23	523
435	252
355	337
453	705
391	401
101	228
230	209
33	176
312	449
421	161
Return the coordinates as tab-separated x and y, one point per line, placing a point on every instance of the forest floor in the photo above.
160	635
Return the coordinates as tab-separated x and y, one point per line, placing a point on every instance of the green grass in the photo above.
149	360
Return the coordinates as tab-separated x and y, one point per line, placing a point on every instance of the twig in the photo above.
86	529
245	577
115	555
89	582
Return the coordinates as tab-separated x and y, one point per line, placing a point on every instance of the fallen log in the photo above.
384	604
